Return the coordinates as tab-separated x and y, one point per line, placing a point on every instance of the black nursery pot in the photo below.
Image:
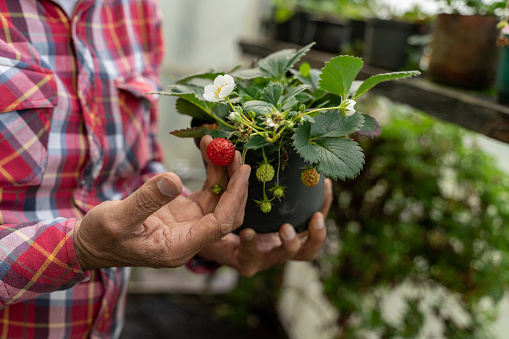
298	205
386	43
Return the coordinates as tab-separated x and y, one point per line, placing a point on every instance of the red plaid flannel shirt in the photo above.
75	129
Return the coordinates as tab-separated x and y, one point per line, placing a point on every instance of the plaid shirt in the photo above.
75	130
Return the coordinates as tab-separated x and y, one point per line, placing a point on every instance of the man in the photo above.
77	138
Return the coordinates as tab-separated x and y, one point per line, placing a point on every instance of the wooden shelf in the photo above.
469	110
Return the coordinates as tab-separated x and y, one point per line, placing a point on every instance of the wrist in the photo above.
83	255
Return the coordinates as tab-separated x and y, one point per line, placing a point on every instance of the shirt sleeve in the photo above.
37	258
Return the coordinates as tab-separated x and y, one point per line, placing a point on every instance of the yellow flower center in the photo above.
218	90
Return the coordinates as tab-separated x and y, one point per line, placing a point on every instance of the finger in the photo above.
290	245
215	174
315	239
328	197
222	220
248	253
235	164
154	194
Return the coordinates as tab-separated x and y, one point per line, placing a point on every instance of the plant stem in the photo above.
317	110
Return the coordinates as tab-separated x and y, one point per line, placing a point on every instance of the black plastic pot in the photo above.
299	204
293	30
386	43
329	35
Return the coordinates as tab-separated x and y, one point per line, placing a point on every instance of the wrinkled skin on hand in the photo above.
250	253
158	227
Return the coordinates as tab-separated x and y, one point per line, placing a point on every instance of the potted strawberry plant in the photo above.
291	125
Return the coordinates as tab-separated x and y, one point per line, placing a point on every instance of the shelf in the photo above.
474	112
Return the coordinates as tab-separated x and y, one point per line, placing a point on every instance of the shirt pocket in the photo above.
137	122
28	94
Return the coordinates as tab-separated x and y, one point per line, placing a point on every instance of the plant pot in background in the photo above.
293	30
329	34
463	51
386	43
298	205
502	76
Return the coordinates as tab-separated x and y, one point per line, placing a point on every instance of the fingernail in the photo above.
290	233
168	187
320	224
249	235
248	173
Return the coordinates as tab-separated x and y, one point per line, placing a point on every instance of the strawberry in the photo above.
265	206
216	189
265	172
310	177
278	192
221	152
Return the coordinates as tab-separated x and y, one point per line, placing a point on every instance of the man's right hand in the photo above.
158	227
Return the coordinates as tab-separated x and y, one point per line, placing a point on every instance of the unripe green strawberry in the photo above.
265	206
310	177
265	172
216	189
221	152
279	192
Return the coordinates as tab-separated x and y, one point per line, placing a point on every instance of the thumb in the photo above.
154	194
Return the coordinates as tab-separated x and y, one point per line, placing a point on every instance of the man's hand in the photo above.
156	226
250	253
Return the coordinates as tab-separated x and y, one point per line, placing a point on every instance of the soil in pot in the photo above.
386	43
463	51
298	205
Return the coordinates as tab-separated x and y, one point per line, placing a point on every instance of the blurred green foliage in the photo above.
430	210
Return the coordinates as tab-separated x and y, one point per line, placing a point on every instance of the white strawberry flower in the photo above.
348	107
222	87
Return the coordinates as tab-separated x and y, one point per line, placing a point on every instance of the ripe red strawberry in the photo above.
221	152
310	177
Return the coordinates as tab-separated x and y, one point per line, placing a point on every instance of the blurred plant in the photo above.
503	26
428	216
482	7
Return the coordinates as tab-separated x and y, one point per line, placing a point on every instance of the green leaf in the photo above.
251	73
217	133
272	93
257	106
193	94
208	75
278	63
333	157
195	132
221	111
378	78
304	69
256	142
342	158
333	124
188	108
301	142
294	91
371	127
298	55
339	73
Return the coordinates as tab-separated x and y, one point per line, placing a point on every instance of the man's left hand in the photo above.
250	252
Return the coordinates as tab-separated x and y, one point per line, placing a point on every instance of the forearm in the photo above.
37	258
